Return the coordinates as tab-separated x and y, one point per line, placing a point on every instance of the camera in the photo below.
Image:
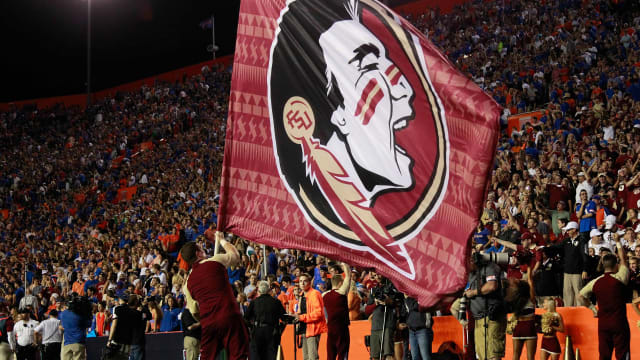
81	305
481	259
387	291
462	308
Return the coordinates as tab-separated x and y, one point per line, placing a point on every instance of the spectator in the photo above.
420	330
191	335
170	315
311	314
573	250
49	335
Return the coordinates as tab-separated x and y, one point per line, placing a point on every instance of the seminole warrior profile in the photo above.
343	122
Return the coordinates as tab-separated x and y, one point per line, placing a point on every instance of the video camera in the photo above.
387	291
80	305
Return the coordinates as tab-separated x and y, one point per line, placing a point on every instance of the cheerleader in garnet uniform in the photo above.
551	323
524	315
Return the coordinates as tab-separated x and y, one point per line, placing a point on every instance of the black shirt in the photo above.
483	305
139	329
128	320
188	320
547	282
265	310
574	254
416	319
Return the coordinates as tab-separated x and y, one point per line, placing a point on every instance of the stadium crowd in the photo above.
97	202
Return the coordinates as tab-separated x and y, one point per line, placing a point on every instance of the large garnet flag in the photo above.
351	136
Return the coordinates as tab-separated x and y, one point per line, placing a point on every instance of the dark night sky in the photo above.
44	42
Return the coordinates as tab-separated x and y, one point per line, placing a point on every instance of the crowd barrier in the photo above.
516	121
579	323
419	7
165	346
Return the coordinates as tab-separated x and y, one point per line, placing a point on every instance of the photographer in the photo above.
487	308
75	321
382	309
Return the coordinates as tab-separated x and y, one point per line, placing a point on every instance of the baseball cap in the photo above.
571	225
595	232
581	173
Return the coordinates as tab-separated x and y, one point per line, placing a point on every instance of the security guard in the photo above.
264	315
49	334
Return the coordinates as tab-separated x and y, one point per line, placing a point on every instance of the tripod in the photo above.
384	323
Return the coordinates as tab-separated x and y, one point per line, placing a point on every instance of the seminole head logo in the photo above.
359	133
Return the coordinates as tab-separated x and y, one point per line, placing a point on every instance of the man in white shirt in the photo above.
49	334
597	242
157	272
583	184
28	300
25	340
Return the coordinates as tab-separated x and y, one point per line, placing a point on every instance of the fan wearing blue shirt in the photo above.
586	213
75	329
170	314
481	236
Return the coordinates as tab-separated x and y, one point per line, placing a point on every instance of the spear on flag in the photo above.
344	196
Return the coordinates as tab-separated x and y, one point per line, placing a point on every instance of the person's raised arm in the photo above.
621	254
346	282
507	244
632	180
231	256
585	294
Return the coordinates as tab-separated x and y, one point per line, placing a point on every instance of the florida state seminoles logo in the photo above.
359	133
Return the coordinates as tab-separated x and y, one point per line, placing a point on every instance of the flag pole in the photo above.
213	36
88	53
264	262
216	244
